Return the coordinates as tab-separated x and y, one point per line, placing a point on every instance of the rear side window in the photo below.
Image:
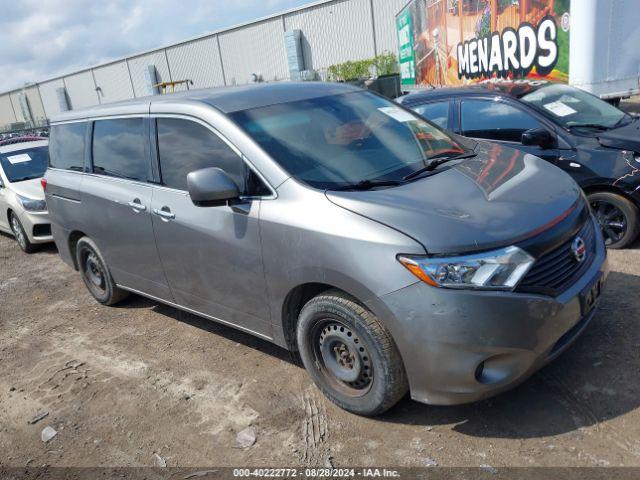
118	149
66	146
185	146
437	112
495	120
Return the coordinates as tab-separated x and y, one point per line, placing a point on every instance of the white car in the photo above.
23	210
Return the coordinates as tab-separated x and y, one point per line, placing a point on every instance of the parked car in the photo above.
23	211
593	141
331	221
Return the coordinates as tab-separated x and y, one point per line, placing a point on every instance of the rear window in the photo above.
66	146
118	149
24	164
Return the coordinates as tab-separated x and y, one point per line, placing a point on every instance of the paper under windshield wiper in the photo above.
368	185
436	162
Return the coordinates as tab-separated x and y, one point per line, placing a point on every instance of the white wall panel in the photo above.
257	48
49	97
37	111
81	90
6	111
384	12
114	82
198	61
334	32
138	67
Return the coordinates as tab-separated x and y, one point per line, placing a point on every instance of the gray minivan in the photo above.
391	255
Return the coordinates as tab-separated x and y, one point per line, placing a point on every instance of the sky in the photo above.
40	39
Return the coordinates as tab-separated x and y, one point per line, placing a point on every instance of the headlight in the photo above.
496	270
32	205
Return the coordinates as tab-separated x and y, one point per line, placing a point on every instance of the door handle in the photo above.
164	214
137	206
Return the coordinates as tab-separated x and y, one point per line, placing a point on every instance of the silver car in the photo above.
391	255
23	211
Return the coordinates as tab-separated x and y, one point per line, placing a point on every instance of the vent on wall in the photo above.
295	55
151	80
23	101
63	99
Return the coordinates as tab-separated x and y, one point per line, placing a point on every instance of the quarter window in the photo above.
437	112
118	149
185	146
66	146
495	120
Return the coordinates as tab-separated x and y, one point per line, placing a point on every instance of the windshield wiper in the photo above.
368	185
435	162
595	126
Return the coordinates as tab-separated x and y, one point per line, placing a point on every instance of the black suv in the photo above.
595	142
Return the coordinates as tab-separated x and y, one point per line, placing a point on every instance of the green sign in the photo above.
407	56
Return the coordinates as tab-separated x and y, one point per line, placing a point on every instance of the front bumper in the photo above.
460	346
37	226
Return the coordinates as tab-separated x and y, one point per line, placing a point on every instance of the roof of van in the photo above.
225	99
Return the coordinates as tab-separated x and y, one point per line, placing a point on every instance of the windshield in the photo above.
572	107
341	140
25	164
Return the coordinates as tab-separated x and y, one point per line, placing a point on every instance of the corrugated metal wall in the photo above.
138	66
113	82
198	61
81	90
384	16
7	116
49	97
332	32
257	48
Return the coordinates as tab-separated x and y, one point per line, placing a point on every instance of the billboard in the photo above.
456	42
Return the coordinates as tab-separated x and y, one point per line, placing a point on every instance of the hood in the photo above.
495	199
623	138
29	189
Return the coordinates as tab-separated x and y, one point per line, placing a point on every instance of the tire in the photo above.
618	218
95	273
350	355
20	235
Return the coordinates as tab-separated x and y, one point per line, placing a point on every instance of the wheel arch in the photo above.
595	188
72	242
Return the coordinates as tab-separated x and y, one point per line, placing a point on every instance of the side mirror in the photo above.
538	137
211	186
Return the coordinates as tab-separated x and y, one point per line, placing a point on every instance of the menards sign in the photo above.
451	42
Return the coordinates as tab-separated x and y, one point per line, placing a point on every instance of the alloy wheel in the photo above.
18	233
612	221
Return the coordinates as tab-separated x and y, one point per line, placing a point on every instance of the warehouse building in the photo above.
292	45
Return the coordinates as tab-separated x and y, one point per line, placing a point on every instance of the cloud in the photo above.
40	40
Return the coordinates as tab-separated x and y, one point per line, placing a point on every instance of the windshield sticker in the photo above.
22	158
398	114
560	109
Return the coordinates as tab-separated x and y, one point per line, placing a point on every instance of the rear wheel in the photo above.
618	218
95	274
20	235
350	355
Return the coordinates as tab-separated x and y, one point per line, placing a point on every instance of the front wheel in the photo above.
95	274
350	355
20	235
618	218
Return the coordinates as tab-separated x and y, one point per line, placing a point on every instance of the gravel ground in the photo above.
143	384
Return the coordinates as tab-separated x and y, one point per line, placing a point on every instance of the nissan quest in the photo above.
393	256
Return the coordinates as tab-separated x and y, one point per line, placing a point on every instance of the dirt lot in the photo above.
124	384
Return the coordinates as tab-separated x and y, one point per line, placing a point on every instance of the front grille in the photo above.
556	270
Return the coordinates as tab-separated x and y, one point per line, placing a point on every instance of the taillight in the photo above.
43	182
